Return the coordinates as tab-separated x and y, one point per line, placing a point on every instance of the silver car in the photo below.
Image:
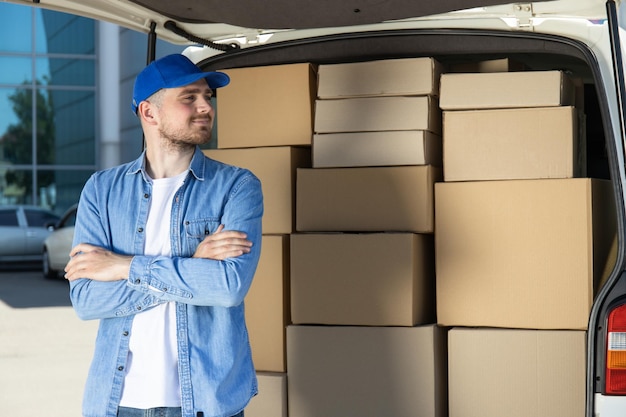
56	247
22	232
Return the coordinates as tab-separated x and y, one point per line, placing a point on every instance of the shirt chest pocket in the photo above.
196	230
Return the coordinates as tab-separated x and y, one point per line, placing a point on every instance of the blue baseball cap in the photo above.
172	71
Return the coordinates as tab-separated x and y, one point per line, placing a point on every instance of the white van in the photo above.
485	54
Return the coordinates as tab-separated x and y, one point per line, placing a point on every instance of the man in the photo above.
165	251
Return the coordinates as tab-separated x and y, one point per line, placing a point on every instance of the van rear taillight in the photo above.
616	352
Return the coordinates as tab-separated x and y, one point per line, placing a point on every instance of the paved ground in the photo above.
45	349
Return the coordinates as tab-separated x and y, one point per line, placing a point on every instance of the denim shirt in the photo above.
216	372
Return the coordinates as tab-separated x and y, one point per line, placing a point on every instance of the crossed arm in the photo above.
99	264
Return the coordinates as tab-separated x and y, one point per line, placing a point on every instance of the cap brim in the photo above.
213	79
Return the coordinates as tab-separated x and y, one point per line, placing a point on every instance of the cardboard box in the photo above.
267	106
375	114
276	169
521	253
339	371
506	90
380	199
271	401
408	147
516	373
390	77
380	279
490	65
267	305
511	144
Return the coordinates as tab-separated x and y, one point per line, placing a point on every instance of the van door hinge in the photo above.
524	14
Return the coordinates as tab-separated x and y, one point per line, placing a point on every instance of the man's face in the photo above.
186	114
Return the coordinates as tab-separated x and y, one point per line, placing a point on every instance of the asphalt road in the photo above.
45	349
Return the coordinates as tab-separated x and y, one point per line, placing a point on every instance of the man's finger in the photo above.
81	247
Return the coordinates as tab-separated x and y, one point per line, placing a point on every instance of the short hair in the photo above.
157	98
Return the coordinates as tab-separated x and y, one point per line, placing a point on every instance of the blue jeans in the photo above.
153	412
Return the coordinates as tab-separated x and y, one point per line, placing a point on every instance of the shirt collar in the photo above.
196	166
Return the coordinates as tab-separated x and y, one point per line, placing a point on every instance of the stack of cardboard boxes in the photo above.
397	281
363	341
521	240
265	124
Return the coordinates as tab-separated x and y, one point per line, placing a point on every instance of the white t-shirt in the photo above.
152	367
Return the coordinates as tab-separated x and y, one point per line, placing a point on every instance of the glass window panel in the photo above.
68	34
42	71
16	126
8	118
16	70
41	43
15	28
60	189
16	186
46	128
8	217
74	72
70	135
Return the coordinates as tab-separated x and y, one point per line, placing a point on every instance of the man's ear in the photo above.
146	112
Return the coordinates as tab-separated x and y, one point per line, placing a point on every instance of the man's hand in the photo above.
222	245
96	263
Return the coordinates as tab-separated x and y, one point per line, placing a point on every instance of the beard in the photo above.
185	137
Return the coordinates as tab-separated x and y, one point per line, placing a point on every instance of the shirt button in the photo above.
120	368
125	333
138	307
140	229
137	281
146	195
